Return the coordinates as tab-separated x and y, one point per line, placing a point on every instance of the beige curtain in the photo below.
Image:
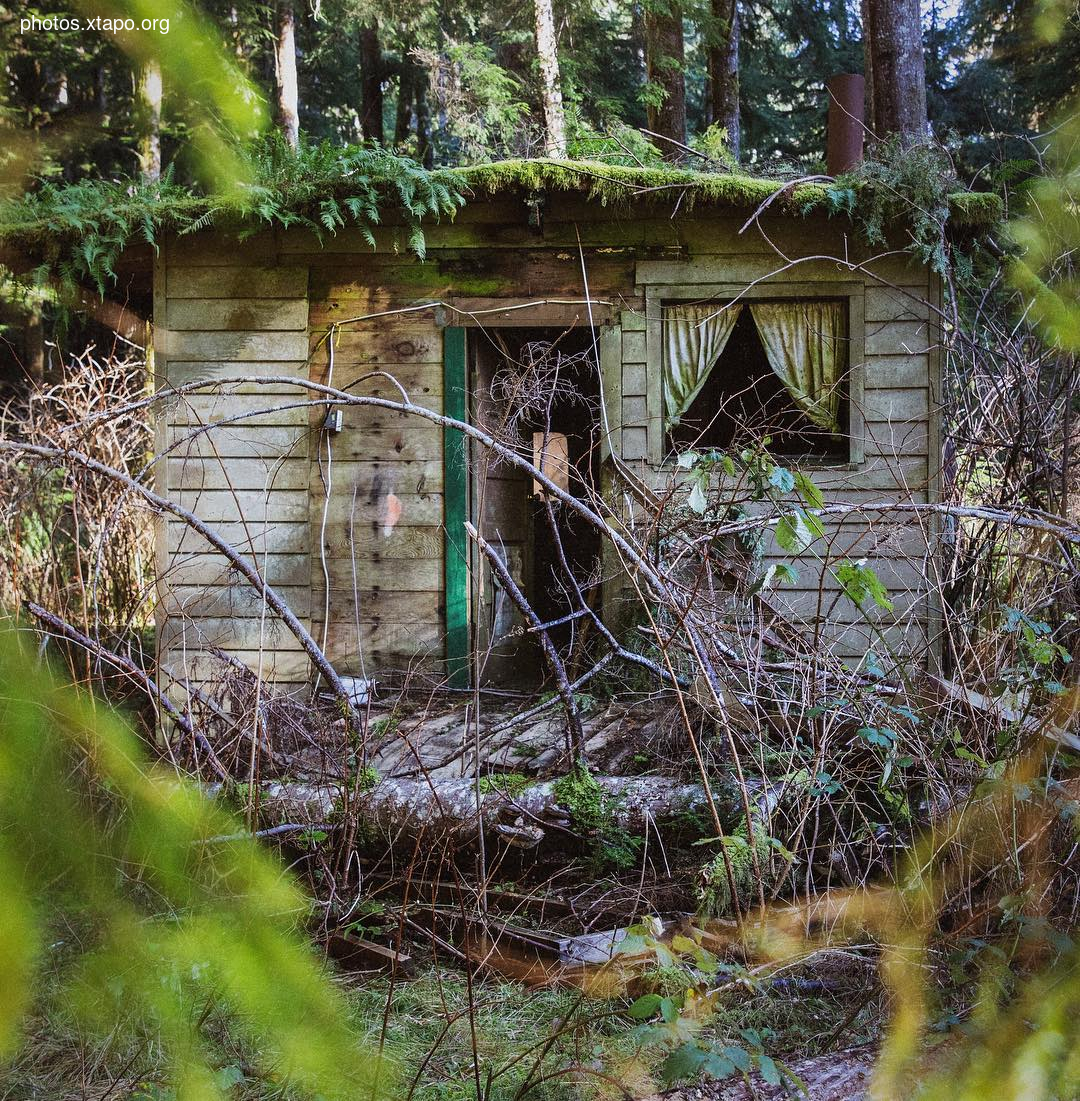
694	337
805	345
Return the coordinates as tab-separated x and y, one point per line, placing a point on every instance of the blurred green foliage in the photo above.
186	908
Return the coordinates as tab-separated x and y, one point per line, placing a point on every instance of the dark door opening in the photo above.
537	391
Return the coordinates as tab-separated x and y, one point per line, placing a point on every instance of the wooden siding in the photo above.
268	307
236	457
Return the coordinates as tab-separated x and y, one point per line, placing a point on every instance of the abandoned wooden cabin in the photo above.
682	323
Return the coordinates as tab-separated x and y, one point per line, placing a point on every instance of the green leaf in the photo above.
739	1056
769	1070
782	479
811	495
683	1062
860	584
645	1006
717	1066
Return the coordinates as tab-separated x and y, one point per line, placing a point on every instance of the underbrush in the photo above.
444	1039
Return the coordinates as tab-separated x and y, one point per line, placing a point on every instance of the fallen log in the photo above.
454	811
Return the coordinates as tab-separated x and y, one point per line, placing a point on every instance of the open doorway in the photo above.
537	391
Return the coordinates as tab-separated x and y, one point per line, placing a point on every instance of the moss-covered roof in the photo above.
77	233
610	184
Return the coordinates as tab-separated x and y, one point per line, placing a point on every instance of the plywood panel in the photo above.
371	509
195	664
223	249
896	405
892	439
415	542
897	304
258	410
406	575
228	633
386	343
210	569
411	441
888	372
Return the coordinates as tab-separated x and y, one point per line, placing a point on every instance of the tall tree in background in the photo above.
288	95
895	68
149	121
723	74
550	81
371	82
664	64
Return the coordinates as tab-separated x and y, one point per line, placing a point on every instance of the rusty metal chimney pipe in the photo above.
844	143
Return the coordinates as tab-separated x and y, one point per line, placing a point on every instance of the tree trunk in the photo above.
288	95
664	70
895	69
405	99
371	78
447	808
150	88
724	71
550	84
425	151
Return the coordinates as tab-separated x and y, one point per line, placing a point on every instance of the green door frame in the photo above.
456	508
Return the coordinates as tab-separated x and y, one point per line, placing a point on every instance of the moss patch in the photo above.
592	813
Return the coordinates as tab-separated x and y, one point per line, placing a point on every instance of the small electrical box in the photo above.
335	421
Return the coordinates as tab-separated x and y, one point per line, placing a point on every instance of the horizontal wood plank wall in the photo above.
897	410
376	488
237	456
270	312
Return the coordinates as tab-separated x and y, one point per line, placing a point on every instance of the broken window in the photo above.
735	371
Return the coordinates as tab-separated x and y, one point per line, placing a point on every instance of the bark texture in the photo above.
895	68
371	83
288	94
550	84
724	70
150	95
447	809
664	68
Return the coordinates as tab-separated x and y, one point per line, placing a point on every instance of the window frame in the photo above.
658	296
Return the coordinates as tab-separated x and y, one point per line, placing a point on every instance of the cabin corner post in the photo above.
455	503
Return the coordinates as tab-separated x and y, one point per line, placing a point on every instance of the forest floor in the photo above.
443	1036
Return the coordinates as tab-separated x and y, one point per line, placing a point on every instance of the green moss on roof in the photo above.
975	208
611	184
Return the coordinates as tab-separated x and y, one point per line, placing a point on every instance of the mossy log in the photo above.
521	813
